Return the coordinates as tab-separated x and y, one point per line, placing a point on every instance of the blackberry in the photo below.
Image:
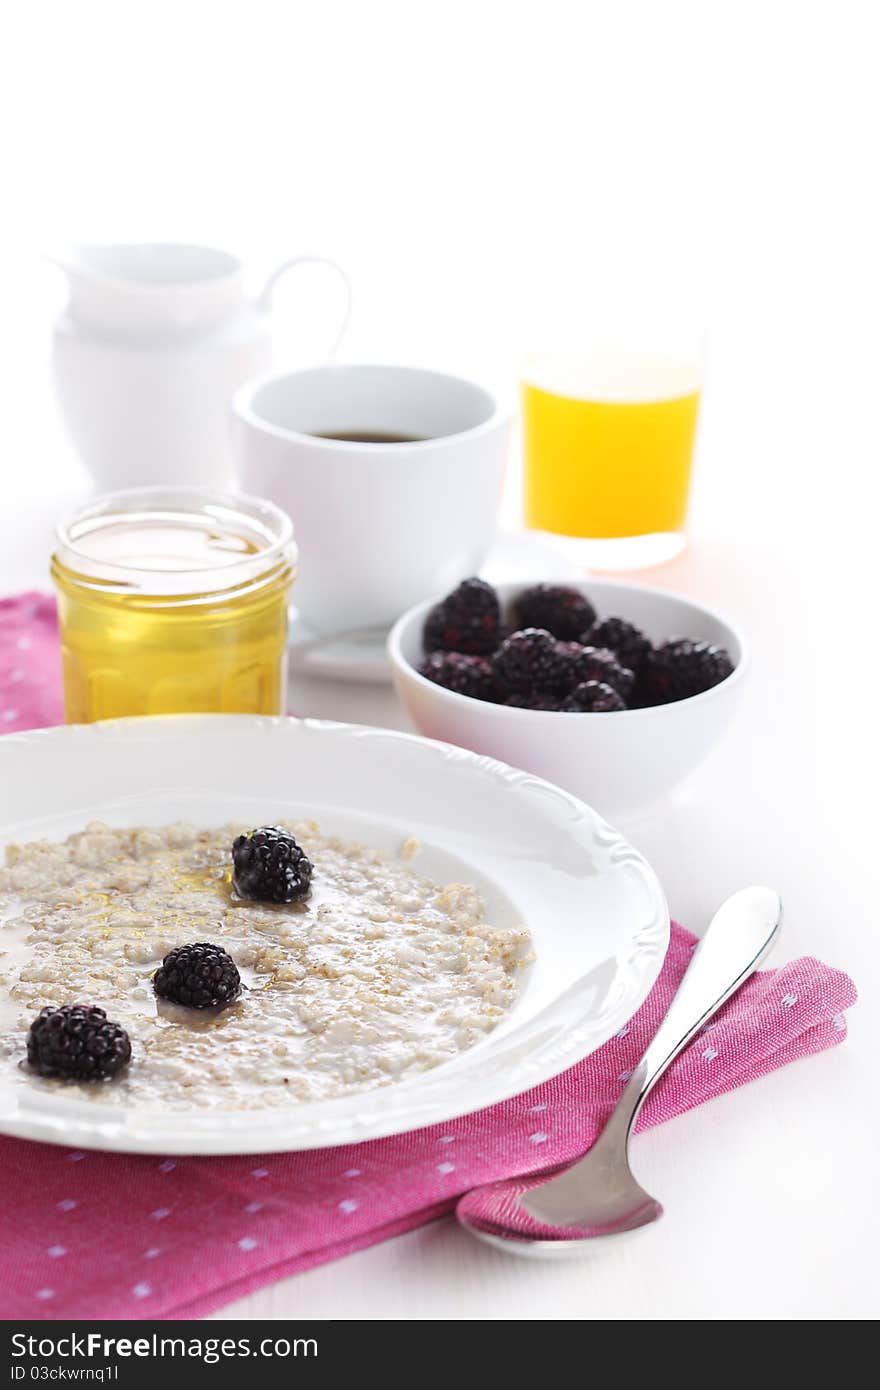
466	675
270	867
468	620
595	664
529	662
200	976
593	697
558	609
679	668
628	642
533	700
77	1042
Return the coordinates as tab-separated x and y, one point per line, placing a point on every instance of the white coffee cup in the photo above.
379	525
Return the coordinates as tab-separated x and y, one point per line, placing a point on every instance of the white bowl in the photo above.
615	762
539	857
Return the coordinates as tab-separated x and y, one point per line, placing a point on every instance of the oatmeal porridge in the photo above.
379	974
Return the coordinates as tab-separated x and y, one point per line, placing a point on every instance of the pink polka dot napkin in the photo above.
93	1235
30	664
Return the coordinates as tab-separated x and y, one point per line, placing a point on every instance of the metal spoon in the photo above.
598	1196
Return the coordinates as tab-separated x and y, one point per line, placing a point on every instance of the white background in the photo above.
491	175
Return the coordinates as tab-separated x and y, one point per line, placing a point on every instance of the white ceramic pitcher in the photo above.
153	343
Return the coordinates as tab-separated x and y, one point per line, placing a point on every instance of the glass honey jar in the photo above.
174	600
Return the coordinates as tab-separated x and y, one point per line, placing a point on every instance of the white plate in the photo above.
361	657
595	909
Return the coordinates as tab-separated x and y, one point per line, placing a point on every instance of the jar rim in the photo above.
260	517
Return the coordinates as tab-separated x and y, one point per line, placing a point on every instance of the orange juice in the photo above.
608	444
172	601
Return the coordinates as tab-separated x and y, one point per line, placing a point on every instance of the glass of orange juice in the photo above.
608	441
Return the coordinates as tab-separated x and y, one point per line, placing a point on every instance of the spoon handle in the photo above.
736	941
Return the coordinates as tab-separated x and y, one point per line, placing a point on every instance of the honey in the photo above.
174	601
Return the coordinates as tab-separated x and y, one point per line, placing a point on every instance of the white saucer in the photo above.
359	657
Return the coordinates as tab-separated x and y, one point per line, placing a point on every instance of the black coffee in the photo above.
368	436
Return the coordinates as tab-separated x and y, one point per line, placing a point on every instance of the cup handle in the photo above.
264	299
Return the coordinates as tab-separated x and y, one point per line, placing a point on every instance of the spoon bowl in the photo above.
597	1197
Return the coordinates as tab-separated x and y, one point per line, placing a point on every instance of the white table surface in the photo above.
764	1189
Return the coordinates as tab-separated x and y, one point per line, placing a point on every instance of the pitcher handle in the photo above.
265	297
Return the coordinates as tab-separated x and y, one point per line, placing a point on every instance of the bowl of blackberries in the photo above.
613	691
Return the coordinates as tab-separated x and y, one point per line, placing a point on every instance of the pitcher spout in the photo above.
149	287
